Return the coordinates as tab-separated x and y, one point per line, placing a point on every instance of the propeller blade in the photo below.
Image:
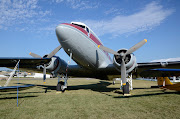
44	73
54	51
108	50
34	55
135	47
123	72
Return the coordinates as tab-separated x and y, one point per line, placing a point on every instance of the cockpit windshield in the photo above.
81	25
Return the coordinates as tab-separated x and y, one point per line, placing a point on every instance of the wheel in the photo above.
60	86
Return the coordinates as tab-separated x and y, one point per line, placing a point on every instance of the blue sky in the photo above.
29	25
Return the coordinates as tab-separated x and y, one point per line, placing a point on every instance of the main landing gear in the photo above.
125	87
61	86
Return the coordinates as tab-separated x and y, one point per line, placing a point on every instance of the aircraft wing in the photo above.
159	69
28	64
153	69
144	69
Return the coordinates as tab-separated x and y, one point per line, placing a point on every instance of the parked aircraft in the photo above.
162	77
91	56
164	83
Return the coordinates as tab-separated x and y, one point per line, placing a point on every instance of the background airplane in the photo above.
164	83
86	49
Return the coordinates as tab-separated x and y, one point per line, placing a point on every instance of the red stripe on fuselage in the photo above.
77	27
91	36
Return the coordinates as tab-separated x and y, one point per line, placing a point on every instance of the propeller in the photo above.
50	55
135	47
123	55
54	51
34	55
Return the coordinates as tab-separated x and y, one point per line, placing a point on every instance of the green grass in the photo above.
88	99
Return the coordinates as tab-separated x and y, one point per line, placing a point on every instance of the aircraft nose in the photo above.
60	32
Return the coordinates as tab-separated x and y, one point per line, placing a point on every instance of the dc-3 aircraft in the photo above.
91	56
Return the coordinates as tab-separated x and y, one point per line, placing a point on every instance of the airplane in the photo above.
162	77
164	83
91	56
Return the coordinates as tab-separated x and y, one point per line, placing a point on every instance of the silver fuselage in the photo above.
83	46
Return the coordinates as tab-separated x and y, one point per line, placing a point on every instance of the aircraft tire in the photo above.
60	86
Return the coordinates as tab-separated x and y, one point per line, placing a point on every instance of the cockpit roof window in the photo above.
79	25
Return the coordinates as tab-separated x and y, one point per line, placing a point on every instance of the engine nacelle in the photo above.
56	65
130	61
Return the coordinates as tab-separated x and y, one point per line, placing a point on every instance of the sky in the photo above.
29	26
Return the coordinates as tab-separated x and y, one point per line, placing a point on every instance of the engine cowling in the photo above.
130	61
56	65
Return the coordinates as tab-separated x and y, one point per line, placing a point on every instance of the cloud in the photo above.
79	4
149	17
14	12
166	60
58	1
114	11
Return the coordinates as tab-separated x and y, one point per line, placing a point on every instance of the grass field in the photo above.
88	99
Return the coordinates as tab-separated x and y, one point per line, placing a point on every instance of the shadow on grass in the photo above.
21	93
140	88
9	91
98	87
145	95
16	97
102	87
14	88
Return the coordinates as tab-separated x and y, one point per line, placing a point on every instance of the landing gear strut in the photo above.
61	86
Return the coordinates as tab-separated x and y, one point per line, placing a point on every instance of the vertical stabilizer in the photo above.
163	81
167	81
160	81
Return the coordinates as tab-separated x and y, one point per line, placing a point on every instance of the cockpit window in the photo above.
79	25
82	26
87	29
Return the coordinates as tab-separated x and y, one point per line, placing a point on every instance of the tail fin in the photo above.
163	81
167	81
160	81
166	84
